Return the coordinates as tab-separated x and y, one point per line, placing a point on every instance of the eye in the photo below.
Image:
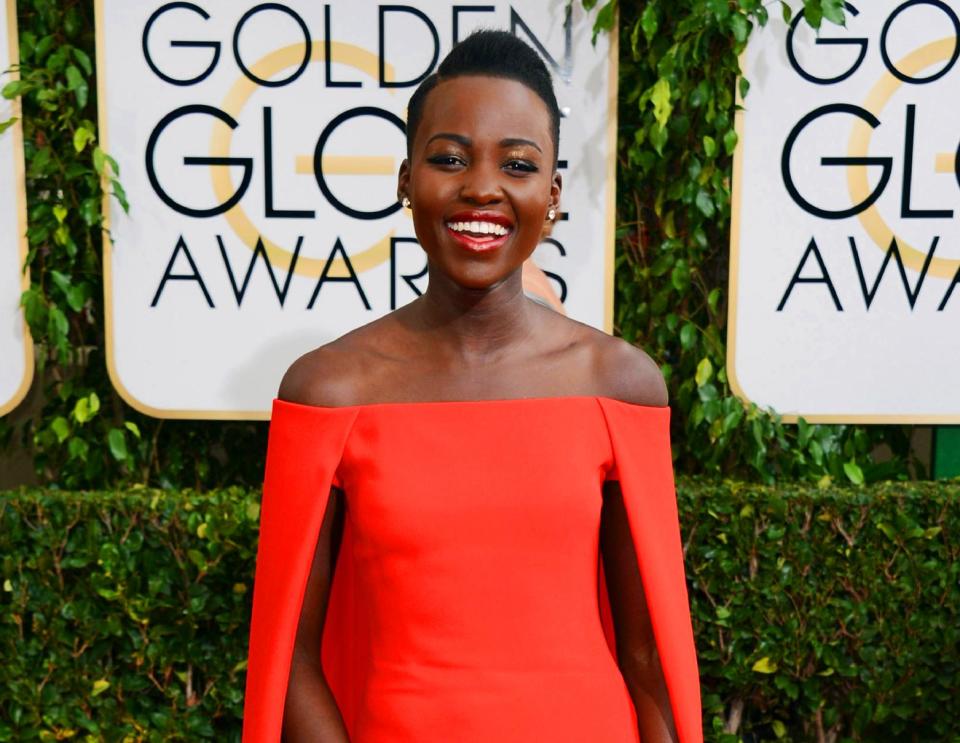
520	166
448	161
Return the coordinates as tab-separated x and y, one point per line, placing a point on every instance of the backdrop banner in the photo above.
845	237
16	351
259	143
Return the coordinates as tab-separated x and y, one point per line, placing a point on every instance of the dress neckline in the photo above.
452	403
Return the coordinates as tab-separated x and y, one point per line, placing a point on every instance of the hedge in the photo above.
820	614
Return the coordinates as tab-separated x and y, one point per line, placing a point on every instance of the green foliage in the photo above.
826	613
124	615
679	73
818	612
85	435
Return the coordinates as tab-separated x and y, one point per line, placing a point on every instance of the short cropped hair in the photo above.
489	53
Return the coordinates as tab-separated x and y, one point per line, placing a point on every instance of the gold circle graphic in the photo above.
220	143
859	145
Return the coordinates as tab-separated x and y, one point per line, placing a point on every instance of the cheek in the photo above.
430	187
532	204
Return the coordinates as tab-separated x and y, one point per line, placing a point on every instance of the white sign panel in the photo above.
259	144
16	352
845	244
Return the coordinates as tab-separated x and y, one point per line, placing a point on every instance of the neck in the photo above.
475	325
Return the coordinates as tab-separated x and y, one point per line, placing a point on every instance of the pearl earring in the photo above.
406	202
552	214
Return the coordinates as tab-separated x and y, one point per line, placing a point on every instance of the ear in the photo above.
555	188
403	180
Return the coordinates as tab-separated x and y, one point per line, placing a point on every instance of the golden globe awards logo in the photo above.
845	251
278	69
259	144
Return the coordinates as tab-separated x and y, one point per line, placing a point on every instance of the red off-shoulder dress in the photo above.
466	603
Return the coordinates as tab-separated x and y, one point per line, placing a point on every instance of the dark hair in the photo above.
490	53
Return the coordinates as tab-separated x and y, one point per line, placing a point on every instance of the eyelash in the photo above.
445	160
525	166
521	166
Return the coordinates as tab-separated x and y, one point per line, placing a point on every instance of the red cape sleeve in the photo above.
304	450
640	438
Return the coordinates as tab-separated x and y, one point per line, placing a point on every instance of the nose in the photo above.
481	184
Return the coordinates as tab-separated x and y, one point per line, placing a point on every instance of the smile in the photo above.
479	231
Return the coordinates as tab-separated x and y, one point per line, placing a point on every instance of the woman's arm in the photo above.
310	713
636	649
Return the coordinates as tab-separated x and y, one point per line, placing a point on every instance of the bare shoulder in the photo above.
332	375
625	372
321	377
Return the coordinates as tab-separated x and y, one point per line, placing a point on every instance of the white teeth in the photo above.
478	228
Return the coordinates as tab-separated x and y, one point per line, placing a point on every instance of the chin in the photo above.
480	280
478	283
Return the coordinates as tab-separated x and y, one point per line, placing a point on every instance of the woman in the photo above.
482	453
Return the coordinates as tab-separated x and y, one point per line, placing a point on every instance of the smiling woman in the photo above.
469	530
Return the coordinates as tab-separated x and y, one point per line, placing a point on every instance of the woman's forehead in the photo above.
483	107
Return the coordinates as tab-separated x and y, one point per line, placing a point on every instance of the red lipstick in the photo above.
479	231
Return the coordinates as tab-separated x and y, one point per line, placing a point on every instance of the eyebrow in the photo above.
517	141
467	142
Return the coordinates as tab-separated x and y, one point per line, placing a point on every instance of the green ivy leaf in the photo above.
786	11
765	665
704	372
605	18
649	21
81	411
90	212
888	531
833	11
81	137
77	85
4	125
741	28
813	13
83	59
658	137
60	428
118	444
120	195
720	8
853	472
713	298
59	326
660	98
99	160
730	141
15	88
705	203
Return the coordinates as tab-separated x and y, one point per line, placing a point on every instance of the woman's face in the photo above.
481	178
